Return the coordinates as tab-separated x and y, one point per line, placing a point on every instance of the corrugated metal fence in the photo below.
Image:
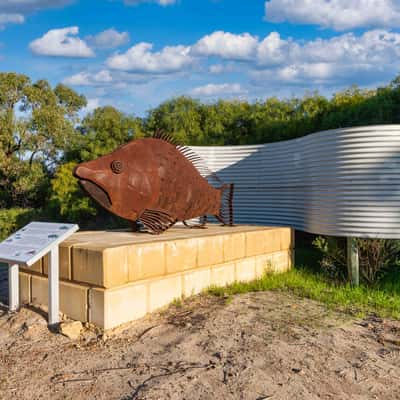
343	182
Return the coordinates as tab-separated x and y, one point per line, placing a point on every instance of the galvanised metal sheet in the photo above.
343	182
33	241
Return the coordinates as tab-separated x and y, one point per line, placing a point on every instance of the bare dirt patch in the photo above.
268	345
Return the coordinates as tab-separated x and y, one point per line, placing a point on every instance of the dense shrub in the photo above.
376	257
333	261
67	199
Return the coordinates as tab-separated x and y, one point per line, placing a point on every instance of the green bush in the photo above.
67	201
377	257
14	218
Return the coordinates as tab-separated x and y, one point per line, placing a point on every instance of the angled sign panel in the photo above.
33	241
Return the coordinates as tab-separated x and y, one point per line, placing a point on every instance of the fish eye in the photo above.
117	167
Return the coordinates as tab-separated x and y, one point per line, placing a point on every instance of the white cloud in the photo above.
274	51
141	59
11	18
221	68
321	60
91	105
217	68
336	14
26	6
109	39
372	47
328	60
89	79
105	79
160	2
226	45
61	43
14	11
301	73
272	62
222	89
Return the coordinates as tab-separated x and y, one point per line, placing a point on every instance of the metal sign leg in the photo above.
54	294
13	287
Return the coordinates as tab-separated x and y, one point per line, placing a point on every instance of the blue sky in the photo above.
133	54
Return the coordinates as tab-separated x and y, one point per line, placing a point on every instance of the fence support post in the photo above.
353	265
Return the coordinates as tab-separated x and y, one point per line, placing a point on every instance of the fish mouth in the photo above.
95	191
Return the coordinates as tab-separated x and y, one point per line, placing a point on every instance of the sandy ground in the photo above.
256	346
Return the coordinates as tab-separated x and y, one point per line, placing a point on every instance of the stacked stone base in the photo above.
110	278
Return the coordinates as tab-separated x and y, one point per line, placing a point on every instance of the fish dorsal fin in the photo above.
200	165
162	135
157	221
191	156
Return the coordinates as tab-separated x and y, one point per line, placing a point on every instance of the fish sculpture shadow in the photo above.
155	181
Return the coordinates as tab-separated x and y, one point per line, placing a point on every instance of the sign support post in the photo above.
13	287
54	292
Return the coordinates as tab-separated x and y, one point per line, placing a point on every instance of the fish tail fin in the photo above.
226	208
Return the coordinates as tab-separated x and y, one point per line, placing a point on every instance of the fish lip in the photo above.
95	191
74	172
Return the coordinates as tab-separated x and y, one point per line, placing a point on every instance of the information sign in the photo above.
33	241
29	245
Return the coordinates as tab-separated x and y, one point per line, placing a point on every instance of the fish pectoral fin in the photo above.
157	221
201	225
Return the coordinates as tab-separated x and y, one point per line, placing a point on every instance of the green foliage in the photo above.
377	257
31	144
382	300
333	261
181	117
67	199
240	122
103	131
13	219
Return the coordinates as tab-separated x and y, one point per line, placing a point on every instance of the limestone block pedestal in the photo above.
109	278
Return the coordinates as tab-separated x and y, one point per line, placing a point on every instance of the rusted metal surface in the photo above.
155	181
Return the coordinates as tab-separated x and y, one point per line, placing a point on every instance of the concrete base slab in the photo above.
109	278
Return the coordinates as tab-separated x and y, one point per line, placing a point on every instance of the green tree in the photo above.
180	117
67	200
103	131
36	126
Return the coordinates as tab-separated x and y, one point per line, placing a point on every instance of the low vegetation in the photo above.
382	300
377	258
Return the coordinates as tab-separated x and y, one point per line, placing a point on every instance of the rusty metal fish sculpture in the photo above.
157	182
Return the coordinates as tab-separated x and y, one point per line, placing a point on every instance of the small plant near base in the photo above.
177	302
333	262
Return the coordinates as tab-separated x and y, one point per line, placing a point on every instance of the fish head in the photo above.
117	181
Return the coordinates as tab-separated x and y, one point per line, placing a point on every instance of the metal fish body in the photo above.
154	181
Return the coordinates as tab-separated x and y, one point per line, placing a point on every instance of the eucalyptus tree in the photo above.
37	124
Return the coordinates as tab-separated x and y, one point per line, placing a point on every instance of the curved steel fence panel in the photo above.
343	182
